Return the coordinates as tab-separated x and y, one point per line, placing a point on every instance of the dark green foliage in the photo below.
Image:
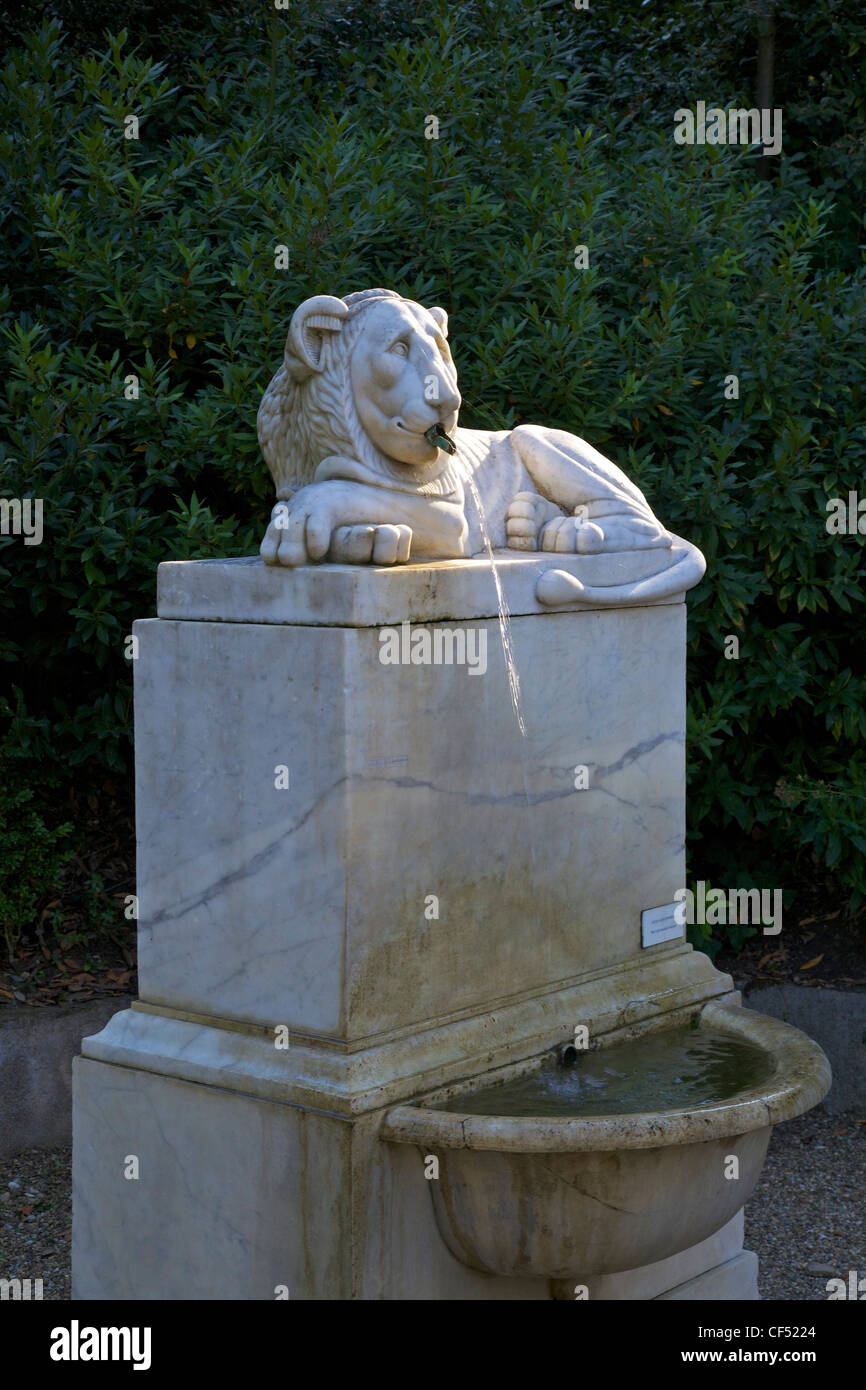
821	83
306	128
160	24
33	857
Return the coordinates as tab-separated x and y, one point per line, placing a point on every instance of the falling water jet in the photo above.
507	652
504	615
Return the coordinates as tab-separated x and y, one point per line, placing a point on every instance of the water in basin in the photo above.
674	1069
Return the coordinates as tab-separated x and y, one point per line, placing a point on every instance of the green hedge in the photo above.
155	257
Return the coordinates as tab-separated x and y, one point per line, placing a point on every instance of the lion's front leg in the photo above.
608	526
533	523
606	510
339	520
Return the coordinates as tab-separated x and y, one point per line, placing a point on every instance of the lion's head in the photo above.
364	376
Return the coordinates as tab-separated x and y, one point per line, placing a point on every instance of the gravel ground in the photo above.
36	1218
806	1221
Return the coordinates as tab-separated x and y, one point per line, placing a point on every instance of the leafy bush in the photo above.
155	258
33	858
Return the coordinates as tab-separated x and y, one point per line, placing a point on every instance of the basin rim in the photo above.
801	1079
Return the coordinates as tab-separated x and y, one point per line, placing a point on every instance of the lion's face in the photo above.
403	380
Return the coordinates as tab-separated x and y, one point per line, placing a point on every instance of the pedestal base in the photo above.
716	1269
184	1190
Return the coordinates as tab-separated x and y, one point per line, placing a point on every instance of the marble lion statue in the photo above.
359	430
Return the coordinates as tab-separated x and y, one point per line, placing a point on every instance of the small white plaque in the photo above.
660	924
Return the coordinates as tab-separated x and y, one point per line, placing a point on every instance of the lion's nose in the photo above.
450	400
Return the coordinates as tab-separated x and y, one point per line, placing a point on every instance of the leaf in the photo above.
765	960
814	961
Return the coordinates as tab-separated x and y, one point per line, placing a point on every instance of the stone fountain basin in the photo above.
562	1196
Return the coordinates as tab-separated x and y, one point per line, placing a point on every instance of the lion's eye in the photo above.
401	349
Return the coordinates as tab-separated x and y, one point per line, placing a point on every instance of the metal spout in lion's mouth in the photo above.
436	435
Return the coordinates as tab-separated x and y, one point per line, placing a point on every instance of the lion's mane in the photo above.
301	422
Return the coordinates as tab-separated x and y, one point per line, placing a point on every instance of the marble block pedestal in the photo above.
357	882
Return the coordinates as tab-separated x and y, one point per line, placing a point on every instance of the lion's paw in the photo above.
525	518
370	545
569	535
312	526
283	544
607	531
304	530
299	530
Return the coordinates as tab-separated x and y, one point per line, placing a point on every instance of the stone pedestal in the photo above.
359	881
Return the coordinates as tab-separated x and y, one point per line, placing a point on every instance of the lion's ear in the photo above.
311	321
441	318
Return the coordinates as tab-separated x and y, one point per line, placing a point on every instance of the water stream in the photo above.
504	614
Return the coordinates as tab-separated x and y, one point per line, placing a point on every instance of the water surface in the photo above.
673	1069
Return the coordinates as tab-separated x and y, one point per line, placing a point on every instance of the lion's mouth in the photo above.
437	436
434	435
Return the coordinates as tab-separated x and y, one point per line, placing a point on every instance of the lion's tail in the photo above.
557	587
